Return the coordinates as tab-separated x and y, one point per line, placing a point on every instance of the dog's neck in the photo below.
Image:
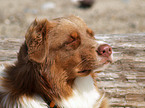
84	95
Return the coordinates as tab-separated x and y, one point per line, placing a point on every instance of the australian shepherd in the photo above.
56	67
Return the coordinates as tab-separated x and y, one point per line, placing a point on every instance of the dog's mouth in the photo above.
96	68
85	71
107	61
101	67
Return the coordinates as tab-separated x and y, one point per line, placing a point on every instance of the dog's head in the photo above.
68	44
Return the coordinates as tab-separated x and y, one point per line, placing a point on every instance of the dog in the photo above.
56	67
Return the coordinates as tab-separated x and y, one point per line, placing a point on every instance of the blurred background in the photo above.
121	23
104	17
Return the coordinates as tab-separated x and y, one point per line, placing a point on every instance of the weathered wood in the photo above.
123	82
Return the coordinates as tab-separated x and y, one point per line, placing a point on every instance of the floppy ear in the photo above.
37	40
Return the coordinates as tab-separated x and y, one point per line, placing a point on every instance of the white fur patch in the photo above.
2	67
85	94
2	74
23	102
32	102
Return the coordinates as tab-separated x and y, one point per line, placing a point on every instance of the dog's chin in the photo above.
101	68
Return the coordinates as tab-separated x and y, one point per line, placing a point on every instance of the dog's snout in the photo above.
104	50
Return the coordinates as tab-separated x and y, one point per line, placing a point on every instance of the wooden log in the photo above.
123	81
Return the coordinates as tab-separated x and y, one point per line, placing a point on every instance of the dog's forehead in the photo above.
77	20
71	22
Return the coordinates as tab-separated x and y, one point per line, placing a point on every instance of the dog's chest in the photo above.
85	94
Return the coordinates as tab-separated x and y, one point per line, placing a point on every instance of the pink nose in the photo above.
104	50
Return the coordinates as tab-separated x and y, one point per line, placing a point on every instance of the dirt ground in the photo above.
124	81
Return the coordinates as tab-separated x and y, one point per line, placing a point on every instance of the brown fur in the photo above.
52	56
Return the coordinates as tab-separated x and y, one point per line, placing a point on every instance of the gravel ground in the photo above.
124	81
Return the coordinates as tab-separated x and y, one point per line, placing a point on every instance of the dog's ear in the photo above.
37	40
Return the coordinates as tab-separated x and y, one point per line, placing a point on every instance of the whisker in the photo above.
86	63
79	63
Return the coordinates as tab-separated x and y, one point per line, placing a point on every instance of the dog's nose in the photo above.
104	50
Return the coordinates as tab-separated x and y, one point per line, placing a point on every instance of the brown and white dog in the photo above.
57	62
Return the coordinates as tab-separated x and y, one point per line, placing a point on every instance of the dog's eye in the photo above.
90	32
73	37
73	41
